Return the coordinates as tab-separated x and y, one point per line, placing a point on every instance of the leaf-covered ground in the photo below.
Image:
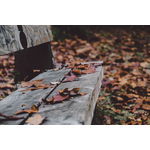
125	51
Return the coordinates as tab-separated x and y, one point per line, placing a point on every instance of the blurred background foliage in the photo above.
60	32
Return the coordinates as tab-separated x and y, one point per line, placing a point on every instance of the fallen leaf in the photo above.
122	81
144	64
85	66
59	98
144	117
36	70
133	122
37	84
82	94
36	88
146	107
33	109
63	95
77	72
134	84
7	86
142	83
119	98
89	71
132	95
36	120
83	50
70	78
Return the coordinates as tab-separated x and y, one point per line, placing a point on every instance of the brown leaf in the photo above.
5	62
144	117
82	94
37	84
36	120
84	50
139	101
136	72
7	86
57	98
89	71
122	81
54	43
146	107
142	83
75	90
132	95
36	70
64	94
119	98
117	111
85	66
33	109
77	72
36	88
134	84
70	78
144	64
133	122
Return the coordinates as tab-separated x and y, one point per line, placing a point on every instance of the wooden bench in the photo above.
76	110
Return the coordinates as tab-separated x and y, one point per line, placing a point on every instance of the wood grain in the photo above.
75	111
11	39
13	102
78	110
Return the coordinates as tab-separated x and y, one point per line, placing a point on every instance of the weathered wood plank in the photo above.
14	38
13	102
77	110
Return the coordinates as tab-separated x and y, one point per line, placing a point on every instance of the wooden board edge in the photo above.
93	99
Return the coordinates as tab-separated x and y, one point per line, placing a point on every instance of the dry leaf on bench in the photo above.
89	71
36	120
63	95
37	84
33	109
70	78
77	72
36	88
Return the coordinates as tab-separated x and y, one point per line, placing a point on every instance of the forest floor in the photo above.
125	92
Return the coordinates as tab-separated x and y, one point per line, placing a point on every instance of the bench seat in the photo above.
75	111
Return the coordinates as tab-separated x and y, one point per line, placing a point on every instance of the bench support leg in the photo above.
38	57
